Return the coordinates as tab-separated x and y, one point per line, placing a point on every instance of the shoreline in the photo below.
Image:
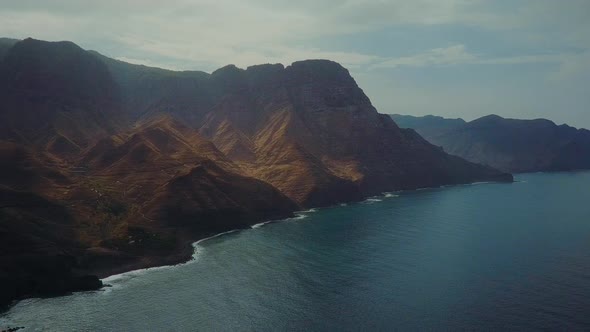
193	258
187	250
298	215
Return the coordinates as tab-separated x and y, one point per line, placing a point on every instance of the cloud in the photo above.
367	36
211	33
451	55
458	55
243	56
149	63
574	66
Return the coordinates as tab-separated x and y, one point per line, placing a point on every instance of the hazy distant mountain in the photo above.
107	166
429	125
507	144
5	45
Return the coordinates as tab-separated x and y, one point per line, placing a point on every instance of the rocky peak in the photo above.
266	68
227	71
228	79
320	84
55	68
56	88
266	75
309	71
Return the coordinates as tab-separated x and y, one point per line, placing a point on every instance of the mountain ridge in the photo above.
142	161
511	145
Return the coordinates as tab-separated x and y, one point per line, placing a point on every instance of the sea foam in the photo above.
117	280
261	224
372	200
478	183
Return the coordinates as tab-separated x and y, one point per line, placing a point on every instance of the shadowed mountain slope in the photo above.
507	144
55	95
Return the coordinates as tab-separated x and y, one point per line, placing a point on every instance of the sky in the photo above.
454	58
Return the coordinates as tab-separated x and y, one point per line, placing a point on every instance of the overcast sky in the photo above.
454	58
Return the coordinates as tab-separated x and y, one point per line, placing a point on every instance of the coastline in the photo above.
192	255
242	273
186	252
298	215
193	258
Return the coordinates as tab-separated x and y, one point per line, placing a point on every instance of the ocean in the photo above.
489	256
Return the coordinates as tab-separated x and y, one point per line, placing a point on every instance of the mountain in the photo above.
296	128
427	126
55	95
307	129
5	45
507	144
135	199
108	166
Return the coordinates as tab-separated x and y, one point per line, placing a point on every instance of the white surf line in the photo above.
261	224
128	275
478	183
298	216
371	200
216	235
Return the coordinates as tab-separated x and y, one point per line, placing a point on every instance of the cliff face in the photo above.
310	131
508	144
107	166
306	129
55	95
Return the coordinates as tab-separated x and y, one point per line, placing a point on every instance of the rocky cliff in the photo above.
107	166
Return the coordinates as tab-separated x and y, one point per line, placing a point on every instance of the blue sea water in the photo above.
477	257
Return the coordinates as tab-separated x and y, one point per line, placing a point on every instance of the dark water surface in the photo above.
485	257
